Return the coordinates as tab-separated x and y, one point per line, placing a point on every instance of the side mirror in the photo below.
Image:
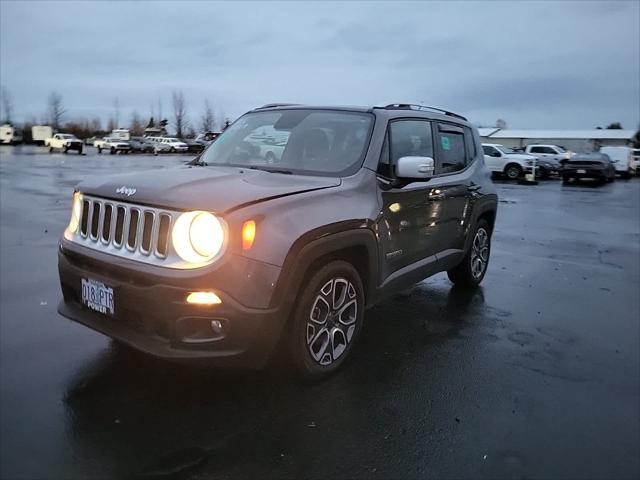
415	167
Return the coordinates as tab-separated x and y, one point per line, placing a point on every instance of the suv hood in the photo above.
216	189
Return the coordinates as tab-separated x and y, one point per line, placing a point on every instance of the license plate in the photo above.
581	170
97	296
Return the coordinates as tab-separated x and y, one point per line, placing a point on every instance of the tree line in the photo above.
56	116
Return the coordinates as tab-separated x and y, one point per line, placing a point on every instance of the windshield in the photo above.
67	136
308	142
506	149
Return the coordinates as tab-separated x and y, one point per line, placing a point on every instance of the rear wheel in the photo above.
112	151
99	149
172	150
513	171
471	271
327	320
50	149
566	180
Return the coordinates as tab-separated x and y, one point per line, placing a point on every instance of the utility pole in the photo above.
116	106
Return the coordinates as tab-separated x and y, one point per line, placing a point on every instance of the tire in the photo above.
312	341
99	149
543	174
112	151
625	175
172	150
566	180
80	151
513	171
472	269
50	149
66	150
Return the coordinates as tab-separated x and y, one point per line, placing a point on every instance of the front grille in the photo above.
137	229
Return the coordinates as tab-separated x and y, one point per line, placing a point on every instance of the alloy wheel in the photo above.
332	321
479	253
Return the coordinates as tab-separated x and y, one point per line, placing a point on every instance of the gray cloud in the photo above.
537	64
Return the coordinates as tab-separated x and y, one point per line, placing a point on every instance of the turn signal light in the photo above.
203	298
248	234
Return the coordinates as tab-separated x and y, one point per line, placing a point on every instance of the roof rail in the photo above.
412	106
273	105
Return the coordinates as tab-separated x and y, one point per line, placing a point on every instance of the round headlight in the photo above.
198	236
76	211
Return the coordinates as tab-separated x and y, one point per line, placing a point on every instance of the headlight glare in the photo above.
198	236
76	211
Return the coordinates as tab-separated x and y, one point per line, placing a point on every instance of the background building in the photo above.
575	140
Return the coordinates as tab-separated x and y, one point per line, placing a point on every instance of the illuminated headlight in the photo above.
76	211
198	236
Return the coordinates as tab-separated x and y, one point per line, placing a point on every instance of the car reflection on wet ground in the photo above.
535	374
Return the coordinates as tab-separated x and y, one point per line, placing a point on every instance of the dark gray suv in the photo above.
238	255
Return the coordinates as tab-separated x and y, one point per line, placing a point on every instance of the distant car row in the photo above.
548	160
65	142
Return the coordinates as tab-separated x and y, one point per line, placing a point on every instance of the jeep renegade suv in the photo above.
236	256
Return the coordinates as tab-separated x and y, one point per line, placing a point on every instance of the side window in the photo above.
452	153
471	145
548	150
487	150
536	150
405	138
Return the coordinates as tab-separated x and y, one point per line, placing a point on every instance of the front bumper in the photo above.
74	146
597	173
153	316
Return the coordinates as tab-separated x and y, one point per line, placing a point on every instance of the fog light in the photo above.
203	298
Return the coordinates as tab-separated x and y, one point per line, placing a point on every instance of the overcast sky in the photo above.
536	64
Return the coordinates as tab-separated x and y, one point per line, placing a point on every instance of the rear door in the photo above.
493	158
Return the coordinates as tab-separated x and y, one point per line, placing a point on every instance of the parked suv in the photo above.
233	257
503	160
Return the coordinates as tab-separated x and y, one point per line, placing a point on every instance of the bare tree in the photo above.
55	109
111	125
137	127
179	112
501	123
6	106
208	122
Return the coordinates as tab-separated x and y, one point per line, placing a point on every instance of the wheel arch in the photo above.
357	247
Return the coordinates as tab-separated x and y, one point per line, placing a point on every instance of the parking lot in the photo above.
535	374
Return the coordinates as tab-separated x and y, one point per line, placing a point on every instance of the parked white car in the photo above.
548	152
114	145
167	144
622	158
503	160
64	142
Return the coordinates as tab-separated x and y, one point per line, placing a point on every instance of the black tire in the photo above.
566	180
99	149
80	151
513	171
312	358
469	273
542	173
172	150
112	151
66	150
50	149
625	175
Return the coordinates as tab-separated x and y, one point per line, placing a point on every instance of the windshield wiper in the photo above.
270	170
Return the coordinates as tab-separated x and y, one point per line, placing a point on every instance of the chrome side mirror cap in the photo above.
415	167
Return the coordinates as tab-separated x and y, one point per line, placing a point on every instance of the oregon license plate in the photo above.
581	170
97	296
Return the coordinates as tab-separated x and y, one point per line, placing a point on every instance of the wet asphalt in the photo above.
534	375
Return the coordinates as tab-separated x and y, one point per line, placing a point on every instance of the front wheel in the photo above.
327	320
471	271
513	171
50	149
112	151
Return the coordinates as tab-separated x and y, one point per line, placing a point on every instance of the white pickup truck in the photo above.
114	145
64	142
502	160
623	160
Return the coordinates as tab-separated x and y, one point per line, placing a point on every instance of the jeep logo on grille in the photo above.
126	191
